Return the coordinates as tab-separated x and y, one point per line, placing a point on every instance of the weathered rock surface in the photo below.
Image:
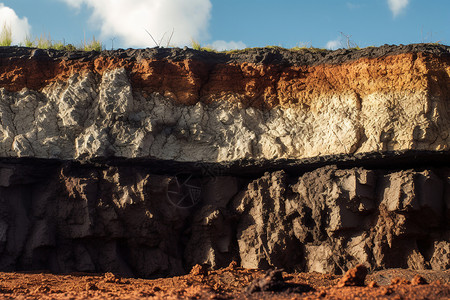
149	162
218	107
354	277
96	218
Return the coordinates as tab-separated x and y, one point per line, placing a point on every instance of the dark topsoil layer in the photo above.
267	56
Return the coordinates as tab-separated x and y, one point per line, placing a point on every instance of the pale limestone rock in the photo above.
89	116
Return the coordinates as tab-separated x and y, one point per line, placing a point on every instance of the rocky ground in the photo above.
231	283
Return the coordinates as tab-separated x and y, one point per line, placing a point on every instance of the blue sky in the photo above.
231	23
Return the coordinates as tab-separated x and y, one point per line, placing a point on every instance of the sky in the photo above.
230	24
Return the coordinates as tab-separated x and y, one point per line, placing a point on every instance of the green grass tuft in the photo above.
6	36
44	42
29	42
196	45
58	46
310	49
70	47
208	49
93	45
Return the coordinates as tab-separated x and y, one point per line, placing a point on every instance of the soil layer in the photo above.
262	78
226	283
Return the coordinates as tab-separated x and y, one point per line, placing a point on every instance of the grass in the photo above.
92	45
197	46
46	42
6	36
307	47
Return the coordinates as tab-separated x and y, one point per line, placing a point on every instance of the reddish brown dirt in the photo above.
257	85
354	277
227	283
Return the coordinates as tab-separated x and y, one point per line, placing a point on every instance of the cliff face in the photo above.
146	162
185	106
128	220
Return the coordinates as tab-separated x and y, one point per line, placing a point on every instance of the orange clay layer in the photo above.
261	86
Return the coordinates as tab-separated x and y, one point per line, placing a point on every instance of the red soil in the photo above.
226	283
262	86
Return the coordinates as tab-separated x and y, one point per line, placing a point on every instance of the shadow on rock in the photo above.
273	281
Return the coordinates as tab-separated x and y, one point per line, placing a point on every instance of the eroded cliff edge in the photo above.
146	162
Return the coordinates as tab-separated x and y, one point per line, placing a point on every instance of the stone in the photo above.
418	280
441	255
273	281
321	259
71	219
263	212
199	270
221	108
354	277
373	284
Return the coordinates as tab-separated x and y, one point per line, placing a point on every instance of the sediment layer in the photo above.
147	162
216	107
64	217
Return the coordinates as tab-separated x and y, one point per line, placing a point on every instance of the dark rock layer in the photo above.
134	220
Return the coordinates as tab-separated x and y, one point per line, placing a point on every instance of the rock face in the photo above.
218	107
149	162
67	217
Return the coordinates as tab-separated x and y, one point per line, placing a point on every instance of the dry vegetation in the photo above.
45	42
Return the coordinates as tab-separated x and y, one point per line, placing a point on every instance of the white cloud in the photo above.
74	3
19	26
223	45
128	20
397	6
353	6
334	44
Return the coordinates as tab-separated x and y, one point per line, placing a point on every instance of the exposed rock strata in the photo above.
193	106
67	217
148	162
